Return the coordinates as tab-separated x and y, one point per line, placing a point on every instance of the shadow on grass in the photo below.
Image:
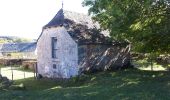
144	64
124	85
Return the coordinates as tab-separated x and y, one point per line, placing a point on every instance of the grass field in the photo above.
129	84
145	65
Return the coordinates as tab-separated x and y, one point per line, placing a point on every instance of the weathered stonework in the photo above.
73	59
67	57
97	57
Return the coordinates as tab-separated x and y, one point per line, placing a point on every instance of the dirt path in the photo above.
6	71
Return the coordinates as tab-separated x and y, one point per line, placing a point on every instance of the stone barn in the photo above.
71	44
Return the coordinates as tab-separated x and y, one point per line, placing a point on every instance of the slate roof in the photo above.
81	28
18	47
57	20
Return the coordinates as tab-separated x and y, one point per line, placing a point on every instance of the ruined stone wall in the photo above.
103	57
66	63
16	62
9	62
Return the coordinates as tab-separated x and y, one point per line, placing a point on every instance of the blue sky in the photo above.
25	18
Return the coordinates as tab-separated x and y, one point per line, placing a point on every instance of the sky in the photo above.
25	18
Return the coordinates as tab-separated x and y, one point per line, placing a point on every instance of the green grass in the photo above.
121	85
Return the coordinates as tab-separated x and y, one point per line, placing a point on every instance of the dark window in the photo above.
54	47
54	66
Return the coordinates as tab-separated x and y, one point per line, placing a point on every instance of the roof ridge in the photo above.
57	20
75	12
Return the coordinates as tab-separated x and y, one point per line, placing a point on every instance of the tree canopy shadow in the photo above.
128	84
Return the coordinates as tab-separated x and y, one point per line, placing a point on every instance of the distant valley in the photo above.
14	39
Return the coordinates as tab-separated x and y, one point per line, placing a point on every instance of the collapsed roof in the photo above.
81	28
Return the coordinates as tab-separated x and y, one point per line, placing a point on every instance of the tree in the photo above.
145	23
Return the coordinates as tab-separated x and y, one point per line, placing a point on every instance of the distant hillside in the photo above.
13	39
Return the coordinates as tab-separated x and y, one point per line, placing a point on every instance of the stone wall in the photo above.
103	57
7	62
23	62
65	64
29	64
163	60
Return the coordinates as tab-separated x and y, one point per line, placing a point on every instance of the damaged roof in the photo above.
18	47
81	28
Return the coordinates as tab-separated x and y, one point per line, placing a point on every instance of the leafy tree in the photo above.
145	23
3	41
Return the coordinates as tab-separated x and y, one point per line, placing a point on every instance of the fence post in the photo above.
23	70
12	73
36	70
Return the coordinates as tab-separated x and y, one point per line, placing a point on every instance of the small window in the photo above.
54	47
54	66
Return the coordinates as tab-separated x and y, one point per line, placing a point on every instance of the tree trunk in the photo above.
151	64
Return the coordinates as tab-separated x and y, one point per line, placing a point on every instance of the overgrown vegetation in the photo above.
144	64
144	23
121	85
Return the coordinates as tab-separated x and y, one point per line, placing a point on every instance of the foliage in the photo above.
5	83
144	64
122	85
4	41
145	23
20	40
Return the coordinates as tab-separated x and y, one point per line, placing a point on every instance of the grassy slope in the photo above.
121	85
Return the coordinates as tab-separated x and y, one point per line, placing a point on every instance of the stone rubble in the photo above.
5	82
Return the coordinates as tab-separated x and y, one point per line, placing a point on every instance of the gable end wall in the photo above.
66	61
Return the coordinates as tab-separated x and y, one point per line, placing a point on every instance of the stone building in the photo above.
71	43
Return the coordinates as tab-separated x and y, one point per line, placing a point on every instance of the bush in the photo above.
5	82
